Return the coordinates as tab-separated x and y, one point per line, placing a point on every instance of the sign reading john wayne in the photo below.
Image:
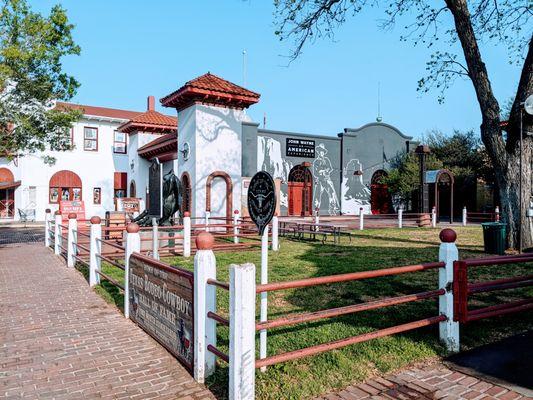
300	148
161	302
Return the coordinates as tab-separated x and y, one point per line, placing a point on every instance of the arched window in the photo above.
133	189
186	184
65	185
6	175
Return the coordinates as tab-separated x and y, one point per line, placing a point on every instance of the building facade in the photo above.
215	149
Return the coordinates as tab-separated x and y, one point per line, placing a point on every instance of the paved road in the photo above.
60	340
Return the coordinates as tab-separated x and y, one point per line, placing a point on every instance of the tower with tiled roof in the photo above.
210	115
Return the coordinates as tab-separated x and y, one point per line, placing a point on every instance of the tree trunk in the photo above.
505	155
508	182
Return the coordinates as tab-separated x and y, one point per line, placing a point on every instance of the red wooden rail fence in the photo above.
452	291
462	289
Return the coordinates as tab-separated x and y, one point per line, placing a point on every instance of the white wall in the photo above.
215	137
95	169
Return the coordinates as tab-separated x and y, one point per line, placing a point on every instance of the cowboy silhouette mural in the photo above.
324	186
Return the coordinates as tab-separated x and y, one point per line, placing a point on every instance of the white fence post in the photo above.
275	233
236	226
264	296
57	233
155	239
434	217
317	218
72	239
464	216
205	300
400	217
47	224
95	248
242	332
361	219
448	253
132	244
207	216
186	234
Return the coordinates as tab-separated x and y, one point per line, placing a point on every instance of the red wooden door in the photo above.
296	190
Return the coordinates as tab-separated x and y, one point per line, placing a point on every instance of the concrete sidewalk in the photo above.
59	339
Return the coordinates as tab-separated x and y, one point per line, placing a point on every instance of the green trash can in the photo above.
494	237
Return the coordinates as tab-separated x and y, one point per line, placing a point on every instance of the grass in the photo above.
371	249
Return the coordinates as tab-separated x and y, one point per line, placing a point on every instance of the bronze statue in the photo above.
172	203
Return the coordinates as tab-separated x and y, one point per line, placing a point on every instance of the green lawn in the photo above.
370	249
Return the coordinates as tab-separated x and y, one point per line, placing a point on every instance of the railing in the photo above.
452	292
462	289
479	217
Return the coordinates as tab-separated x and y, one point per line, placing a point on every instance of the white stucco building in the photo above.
102	165
214	149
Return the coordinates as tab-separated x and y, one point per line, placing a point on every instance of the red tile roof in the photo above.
151	121
99	111
210	89
166	144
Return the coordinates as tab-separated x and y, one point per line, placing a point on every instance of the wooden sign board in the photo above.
261	199
75	206
129	205
161	303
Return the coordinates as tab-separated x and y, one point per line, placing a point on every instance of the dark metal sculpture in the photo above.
172	203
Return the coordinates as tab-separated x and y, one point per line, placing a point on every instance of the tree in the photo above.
32	79
428	22
403	178
461	153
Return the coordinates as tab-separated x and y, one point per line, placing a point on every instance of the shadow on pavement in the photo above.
508	363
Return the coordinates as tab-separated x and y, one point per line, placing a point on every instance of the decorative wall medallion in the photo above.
261	199
185	151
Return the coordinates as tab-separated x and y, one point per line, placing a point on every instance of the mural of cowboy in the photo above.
322	170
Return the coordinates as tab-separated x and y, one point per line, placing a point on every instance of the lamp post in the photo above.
422	152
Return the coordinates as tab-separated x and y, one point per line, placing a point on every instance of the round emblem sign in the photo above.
261	199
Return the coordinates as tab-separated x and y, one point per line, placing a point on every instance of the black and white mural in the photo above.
324	189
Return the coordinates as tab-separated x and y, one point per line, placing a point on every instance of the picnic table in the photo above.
299	229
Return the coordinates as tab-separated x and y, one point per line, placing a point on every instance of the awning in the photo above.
9	185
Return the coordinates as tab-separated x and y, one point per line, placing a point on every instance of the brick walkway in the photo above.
434	381
59	339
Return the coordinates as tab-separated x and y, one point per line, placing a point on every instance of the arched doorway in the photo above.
443	189
380	198
186	184
133	189
229	191
300	191
65	186
7	193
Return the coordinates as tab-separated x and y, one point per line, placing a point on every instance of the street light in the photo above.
528	107
422	152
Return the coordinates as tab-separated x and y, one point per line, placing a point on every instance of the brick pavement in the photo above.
434	381
59	339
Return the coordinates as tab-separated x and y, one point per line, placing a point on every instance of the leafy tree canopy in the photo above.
32	47
462	153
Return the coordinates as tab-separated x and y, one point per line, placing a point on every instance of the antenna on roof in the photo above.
244	67
379	118
264	120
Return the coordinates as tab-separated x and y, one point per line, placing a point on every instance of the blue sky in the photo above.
134	48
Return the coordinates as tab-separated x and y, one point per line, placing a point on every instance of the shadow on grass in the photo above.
336	369
472	248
